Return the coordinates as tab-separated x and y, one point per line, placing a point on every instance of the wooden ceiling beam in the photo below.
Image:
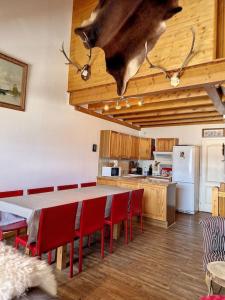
209	73
175	117
161	106
169	112
148	99
216	94
184	123
106	118
156	123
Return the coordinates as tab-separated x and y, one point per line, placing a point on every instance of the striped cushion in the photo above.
213	234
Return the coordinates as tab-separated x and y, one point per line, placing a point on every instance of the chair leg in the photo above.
16	244
49	257
111	239
131	229
89	241
142	229
80	254
71	258
126	231
102	242
1	236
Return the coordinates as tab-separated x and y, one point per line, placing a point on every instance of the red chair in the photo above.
67	187
87	184
136	208
119	213
91	220
40	190
56	228
14	226
213	297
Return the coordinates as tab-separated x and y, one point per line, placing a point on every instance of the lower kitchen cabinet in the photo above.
159	200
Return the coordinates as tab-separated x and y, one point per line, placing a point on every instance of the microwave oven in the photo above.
111	171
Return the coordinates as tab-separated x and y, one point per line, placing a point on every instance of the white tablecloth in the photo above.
29	206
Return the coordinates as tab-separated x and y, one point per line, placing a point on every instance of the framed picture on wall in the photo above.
13	80
213	132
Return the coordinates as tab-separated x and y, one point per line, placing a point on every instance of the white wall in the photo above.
188	135
50	143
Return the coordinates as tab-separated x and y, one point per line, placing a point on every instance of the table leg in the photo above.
61	258
116	231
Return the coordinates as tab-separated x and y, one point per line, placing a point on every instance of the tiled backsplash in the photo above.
124	164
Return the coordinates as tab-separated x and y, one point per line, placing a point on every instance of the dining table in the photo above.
29	207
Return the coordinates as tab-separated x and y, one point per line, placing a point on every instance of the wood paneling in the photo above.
163	106
177	39
126	144
166	145
220	49
145	148
160	98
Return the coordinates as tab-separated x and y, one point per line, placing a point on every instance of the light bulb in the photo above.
128	104
118	106
140	102
106	107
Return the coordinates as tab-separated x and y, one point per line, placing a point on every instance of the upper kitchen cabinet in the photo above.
125	146
110	144
146	148
166	145
117	145
135	147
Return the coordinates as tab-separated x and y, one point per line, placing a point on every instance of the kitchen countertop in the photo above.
141	179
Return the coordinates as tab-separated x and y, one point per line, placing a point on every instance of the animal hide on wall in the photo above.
126	30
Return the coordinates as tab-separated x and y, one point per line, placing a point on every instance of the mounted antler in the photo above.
174	77
85	71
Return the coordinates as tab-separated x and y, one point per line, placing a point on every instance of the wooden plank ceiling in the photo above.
200	97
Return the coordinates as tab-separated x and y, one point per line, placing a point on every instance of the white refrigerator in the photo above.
186	164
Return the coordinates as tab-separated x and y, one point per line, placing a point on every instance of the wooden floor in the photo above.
159	264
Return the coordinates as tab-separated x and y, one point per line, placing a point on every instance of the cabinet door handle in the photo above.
223	149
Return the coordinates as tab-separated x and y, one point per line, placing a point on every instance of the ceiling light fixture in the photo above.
140	102
106	107
118	106
128	105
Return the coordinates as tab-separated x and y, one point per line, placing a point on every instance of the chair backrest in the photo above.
40	190
87	184
92	215
67	187
119	208
11	194
136	201
56	227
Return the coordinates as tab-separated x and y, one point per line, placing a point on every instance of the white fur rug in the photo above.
19	272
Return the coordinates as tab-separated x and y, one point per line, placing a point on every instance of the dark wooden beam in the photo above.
216	94
106	118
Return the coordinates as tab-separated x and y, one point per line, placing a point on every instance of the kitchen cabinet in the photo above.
159	200
110	144
117	145
166	145
135	147
146	148
125	146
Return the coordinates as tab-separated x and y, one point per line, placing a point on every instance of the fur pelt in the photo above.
18	273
